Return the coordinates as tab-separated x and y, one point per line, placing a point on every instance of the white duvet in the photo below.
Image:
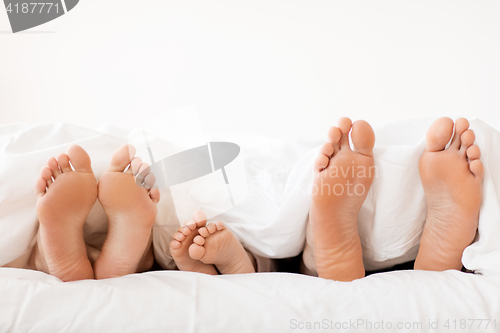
270	222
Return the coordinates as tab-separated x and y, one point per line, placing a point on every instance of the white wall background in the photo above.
282	68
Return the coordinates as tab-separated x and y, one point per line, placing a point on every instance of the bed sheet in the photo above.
173	301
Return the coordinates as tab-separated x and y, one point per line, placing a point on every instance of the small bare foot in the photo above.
217	245
452	181
342	179
65	198
127	195
183	238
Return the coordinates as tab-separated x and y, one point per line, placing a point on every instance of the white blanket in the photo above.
271	220
173	301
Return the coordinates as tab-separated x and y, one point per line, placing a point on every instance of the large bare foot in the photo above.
183	238
342	178
452	181
217	245
65	198
127	195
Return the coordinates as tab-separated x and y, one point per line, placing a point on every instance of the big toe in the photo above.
439	134
79	159
121	158
363	137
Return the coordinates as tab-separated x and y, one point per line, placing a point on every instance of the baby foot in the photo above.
342	178
183	238
129	200
65	198
217	245
452	181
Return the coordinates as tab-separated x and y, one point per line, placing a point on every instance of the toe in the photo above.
175	245
363	137
144	170
40	187
79	158
204	232
135	165
154	194
439	134
186	231
321	162
326	149
46	175
149	180
344	125
211	228
64	162
196	252
200	218
473	152
461	125
199	240
476	167
467	139
54	166
334	136
179	236
220	225
121	158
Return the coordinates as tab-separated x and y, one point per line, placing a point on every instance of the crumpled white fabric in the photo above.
271	220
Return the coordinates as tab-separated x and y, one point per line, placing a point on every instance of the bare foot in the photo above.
342	179
129	200
65	198
183	238
217	245
452	181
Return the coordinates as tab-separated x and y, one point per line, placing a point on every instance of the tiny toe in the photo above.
179	236
64	162
144	170
79	158
363	137
477	168
191	225
211	228
149	180
334	135
439	134
40	186
175	245
468	138
135	165
121	158
199	240
54	166
200	218
204	231
196	252
220	225
344	125
46	174
473	152
186	231
326	149
154	194
321	162
461	125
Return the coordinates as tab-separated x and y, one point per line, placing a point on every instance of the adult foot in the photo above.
183	238
65	198
342	179
129	200
217	245
452	180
